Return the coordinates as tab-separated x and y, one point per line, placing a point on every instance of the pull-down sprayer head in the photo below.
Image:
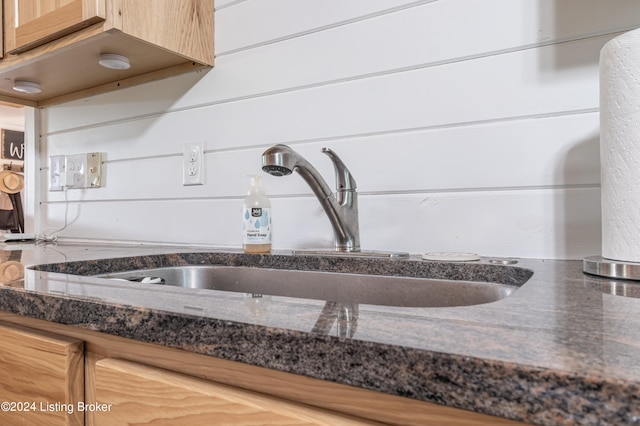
280	160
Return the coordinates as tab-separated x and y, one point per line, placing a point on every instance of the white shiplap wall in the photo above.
469	126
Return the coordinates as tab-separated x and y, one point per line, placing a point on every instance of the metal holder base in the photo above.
598	265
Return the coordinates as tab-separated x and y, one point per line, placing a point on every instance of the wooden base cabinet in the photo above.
132	393
41	378
130	382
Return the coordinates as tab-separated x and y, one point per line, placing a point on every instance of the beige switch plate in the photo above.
94	170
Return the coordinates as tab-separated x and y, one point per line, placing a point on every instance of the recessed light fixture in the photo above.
24	86
114	62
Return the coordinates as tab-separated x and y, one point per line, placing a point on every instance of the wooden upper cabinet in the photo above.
58	44
31	23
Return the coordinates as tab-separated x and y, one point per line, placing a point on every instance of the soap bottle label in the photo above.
257	225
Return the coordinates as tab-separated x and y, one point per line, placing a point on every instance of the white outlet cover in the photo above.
193	164
56	169
76	168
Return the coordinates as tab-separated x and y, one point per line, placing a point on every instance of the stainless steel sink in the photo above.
330	286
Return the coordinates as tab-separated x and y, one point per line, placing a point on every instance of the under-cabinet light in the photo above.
23	86
114	62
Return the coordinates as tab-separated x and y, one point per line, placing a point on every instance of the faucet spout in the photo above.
341	209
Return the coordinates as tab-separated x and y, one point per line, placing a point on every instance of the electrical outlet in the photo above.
56	171
193	164
75	171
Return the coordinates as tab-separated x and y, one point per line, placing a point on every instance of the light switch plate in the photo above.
94	170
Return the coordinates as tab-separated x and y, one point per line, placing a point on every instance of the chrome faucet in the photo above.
342	208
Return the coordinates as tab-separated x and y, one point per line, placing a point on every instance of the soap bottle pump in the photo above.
256	216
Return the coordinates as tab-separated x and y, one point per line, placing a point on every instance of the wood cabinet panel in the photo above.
132	393
185	26
39	370
57	44
31	23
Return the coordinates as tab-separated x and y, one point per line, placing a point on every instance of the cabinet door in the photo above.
131	393
41	377
31	23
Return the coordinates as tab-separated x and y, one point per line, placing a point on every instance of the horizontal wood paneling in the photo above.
220	4
468	126
534	223
490	88
523	21
557	151
410	100
422	37
310	17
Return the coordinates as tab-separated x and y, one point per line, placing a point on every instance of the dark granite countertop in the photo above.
560	350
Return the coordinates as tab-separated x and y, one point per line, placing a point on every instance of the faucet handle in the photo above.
344	179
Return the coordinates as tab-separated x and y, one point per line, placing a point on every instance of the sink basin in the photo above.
330	286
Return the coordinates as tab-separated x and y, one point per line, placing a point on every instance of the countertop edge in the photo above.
498	388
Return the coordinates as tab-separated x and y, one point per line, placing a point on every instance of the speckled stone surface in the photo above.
561	350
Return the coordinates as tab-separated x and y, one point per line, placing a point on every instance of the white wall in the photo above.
469	126
11	117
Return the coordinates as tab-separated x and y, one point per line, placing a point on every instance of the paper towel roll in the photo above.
620	147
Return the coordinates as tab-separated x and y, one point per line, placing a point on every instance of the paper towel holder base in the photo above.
598	265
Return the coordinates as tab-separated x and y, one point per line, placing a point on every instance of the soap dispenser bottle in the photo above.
256	216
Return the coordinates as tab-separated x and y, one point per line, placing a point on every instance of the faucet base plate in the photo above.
363	253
